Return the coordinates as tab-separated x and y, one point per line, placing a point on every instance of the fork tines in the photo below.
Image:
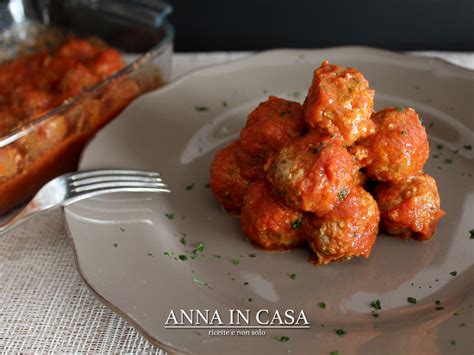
116	180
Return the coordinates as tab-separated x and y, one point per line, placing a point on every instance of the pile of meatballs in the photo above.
328	173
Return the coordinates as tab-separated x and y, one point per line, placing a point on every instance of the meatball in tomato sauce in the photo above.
273	124
227	185
268	222
339	102
313	173
349	230
409	208
400	146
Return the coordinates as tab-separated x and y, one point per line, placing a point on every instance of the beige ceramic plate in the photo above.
121	240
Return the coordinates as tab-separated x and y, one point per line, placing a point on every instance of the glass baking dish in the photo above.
50	144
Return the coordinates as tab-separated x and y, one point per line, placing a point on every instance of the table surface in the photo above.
44	305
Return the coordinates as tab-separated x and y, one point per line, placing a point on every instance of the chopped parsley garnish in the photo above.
295	94
404	132
420	119
411	300
439	146
439	308
235	261
183	240
431	125
453	342
250	299
246	283
115	245
122	229
340	332
342	194
334	353
375	314
296	224
283	339
471	232
200	247
400	108
376	304
225	104
293	276
322	305
201	108
315	150
467	147
190	187
284	113
437	302
183	257
169	215
453	273
253	255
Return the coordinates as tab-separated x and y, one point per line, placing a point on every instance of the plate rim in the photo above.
253	57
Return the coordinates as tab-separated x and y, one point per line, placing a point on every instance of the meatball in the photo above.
313	173
400	146
348	230
227	184
273	124
409	208
268	222
339	102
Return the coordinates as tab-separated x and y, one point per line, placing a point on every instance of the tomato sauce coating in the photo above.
313	173
227	185
273	124
409	208
339	102
268	222
347	231
400	146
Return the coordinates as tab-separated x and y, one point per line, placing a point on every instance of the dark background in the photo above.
210	25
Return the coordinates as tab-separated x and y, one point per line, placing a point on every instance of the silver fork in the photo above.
73	187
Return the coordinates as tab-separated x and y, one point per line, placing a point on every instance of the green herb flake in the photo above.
253	255
169	215
471	232
322	305
285	113
190	187
467	147
439	146
296	224
235	261
411	300
400	108
340	332
200	247
453	342
295	94
183	240
293	276
283	339
453	273
334	352
246	283
183	257
376	304
225	103
437	302
115	245
405	133
342	194
201	108
250	299
439	308
431	125
375	314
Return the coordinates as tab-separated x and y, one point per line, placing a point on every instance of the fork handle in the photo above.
25	214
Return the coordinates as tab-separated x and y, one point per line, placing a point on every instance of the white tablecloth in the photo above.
44	306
